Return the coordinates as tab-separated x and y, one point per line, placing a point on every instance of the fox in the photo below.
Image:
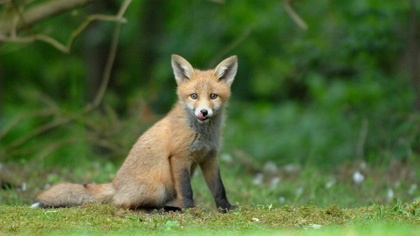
157	172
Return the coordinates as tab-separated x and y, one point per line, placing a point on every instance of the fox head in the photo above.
204	93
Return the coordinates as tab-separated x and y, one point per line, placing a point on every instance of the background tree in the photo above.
340	89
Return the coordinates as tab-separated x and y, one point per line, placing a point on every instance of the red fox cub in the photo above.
157	172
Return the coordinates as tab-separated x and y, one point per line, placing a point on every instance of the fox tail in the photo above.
68	195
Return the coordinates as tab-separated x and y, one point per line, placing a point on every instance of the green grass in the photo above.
245	183
305	201
250	220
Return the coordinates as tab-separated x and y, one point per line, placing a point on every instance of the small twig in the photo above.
111	57
43	150
362	138
41	130
123	8
50	148
40	12
20	118
15	19
245	34
53	42
295	17
217	1
108	69
109	145
88	21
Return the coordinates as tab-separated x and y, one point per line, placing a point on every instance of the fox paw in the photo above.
227	209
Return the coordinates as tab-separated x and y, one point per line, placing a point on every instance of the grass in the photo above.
245	183
303	201
251	220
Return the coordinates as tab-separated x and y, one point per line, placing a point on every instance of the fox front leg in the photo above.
181	175
184	190
214	181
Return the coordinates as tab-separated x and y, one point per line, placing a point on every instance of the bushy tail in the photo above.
67	195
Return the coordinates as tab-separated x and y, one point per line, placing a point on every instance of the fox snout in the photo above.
203	114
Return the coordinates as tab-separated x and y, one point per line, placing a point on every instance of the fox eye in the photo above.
194	96
213	96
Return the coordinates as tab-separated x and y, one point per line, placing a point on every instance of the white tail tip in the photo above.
35	205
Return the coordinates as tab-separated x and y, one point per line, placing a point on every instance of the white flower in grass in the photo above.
226	158
281	199
258	179
413	188
274	182
389	194
358	177
299	192
270	167
330	183
315	226
363	165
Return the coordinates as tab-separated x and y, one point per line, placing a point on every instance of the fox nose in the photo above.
204	112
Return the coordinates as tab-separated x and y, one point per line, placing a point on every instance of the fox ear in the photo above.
226	70
182	69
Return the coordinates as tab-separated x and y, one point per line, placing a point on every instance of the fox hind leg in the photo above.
141	196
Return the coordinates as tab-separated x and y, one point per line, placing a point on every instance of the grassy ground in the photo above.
289	200
252	220
349	185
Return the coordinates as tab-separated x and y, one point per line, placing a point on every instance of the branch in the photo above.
53	42
89	107
295	17
218	1
26	116
39	13
41	130
360	147
111	57
242	37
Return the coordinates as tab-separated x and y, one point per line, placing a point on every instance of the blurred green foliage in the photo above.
323	96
